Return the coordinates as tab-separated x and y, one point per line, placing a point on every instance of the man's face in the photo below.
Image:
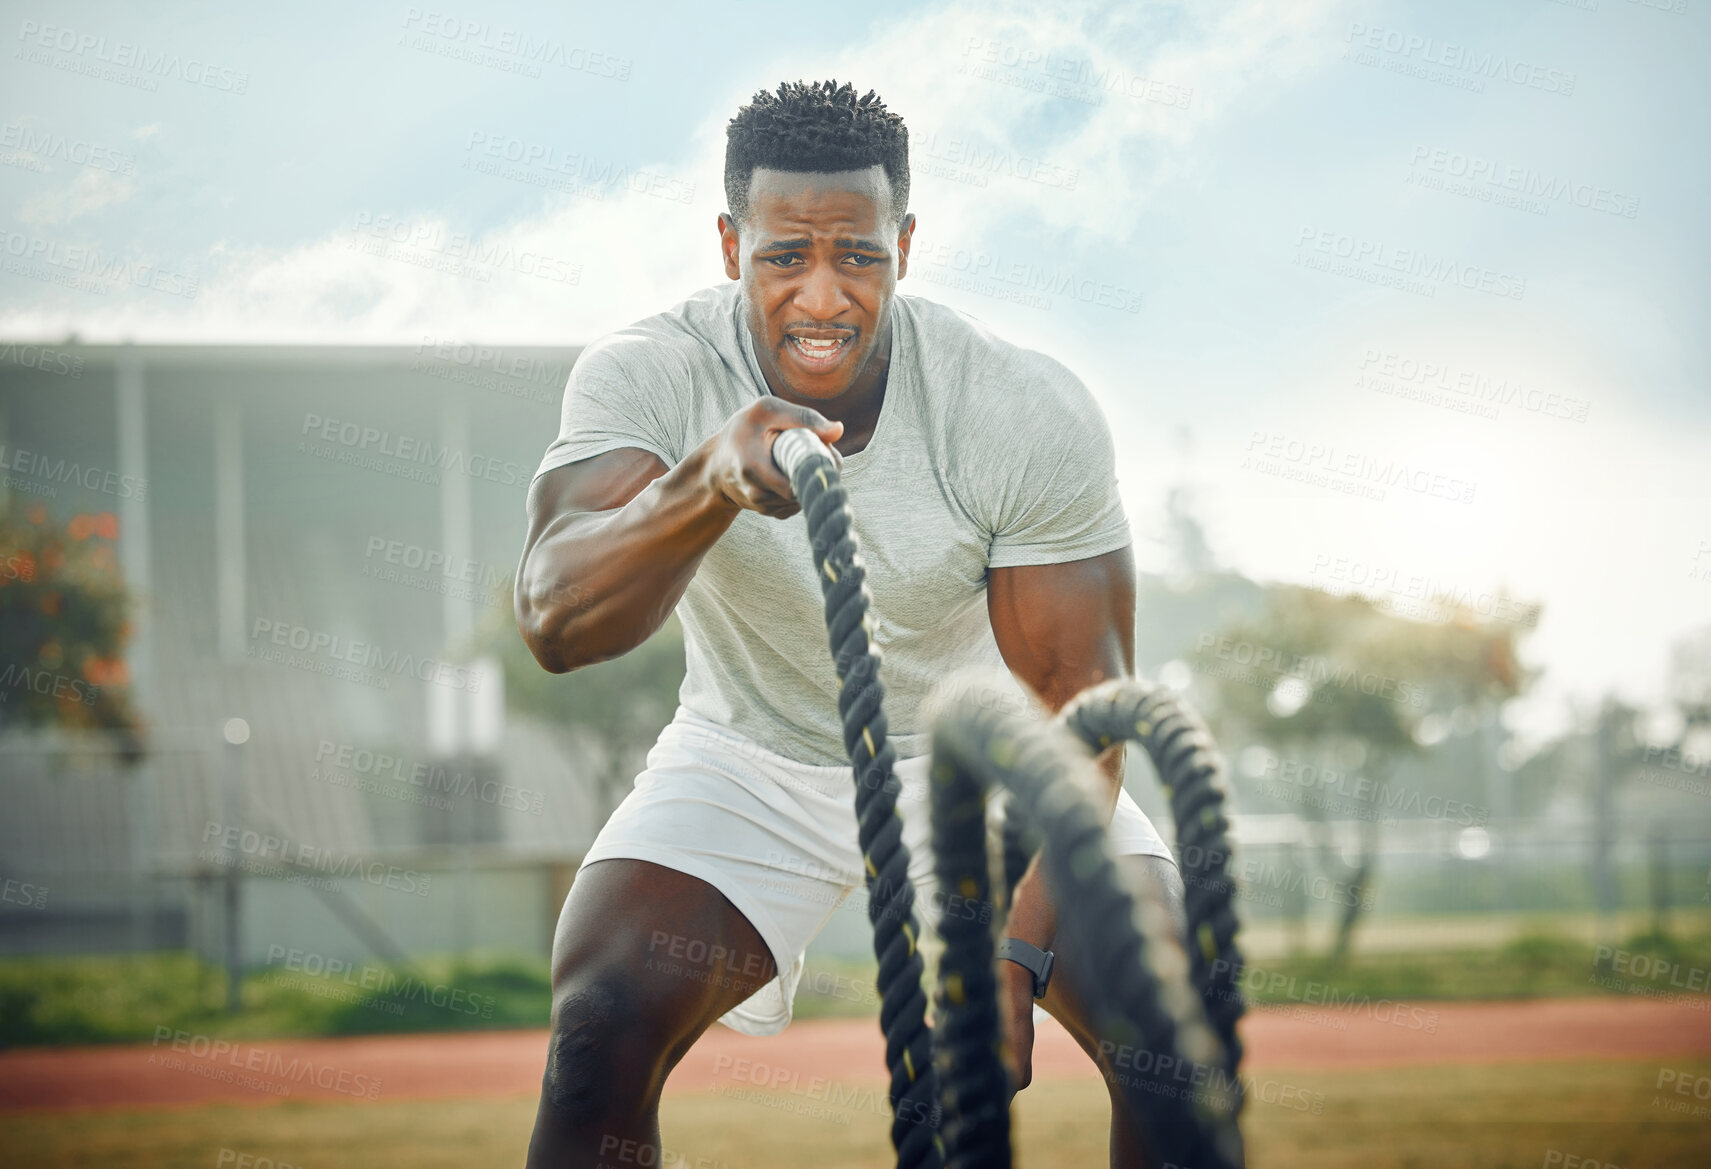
819	258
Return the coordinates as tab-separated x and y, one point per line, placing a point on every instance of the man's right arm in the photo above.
614	539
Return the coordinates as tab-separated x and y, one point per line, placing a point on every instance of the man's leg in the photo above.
1127	1148
644	960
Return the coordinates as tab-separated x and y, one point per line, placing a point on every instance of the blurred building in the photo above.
315	535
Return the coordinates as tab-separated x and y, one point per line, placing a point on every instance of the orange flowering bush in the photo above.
64	623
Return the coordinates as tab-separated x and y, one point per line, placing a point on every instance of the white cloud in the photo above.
89	192
638	254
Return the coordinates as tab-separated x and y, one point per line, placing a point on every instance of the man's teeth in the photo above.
819	348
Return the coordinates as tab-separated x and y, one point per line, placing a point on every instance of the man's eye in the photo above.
788	259
861	260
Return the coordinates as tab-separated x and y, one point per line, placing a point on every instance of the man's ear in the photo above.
728	245
905	235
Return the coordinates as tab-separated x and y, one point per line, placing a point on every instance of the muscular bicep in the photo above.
566	506
1064	627
564	498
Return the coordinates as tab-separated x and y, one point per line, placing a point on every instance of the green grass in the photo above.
119	999
1530	966
1505	1116
124	998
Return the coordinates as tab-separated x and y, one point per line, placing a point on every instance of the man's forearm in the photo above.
595	585
1032	917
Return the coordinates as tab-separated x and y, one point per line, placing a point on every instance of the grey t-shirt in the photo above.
986	455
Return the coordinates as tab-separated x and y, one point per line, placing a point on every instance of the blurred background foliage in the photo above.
64	623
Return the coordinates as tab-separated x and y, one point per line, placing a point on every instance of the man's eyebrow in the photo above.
791	245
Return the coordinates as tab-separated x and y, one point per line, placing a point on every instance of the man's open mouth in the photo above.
820	352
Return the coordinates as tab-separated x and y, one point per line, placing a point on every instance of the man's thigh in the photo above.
681	952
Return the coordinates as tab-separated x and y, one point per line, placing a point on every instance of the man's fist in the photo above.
740	469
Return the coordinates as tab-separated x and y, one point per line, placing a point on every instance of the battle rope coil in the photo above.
1142	1001
1132	975
1193	779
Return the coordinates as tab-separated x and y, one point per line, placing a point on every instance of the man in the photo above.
981	478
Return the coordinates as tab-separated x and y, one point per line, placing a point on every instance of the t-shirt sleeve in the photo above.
1053	486
622	392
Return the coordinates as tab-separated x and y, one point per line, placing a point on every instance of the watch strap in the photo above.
1030	957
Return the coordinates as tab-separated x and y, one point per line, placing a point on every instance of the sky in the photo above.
1403	293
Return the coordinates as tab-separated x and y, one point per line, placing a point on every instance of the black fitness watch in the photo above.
1036	961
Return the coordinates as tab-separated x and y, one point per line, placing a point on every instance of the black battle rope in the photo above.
1132	974
1139	996
891	896
1192	775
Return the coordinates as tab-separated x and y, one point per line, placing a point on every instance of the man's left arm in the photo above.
1061	628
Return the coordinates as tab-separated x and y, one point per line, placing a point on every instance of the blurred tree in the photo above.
1341	679
64	623
620	706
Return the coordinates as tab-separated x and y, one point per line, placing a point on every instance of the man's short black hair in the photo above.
815	127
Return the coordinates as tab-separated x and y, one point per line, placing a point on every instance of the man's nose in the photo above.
820	296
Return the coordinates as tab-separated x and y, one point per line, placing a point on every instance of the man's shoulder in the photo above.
676	341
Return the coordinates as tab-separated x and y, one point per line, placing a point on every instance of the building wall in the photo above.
364	503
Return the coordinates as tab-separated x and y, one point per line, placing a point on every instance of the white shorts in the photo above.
778	839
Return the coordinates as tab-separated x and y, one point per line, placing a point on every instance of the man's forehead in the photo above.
854	195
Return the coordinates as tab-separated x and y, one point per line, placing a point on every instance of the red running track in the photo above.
509	1063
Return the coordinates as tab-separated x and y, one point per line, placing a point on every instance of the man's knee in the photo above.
586	1051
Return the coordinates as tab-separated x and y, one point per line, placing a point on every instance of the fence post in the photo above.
1659	856
237	733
